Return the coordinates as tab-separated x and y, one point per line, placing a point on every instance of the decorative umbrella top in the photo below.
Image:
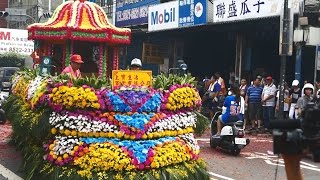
79	20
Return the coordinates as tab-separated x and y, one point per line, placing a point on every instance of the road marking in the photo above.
273	160
311	165
220	176
8	174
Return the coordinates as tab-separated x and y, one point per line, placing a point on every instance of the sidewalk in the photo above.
10	158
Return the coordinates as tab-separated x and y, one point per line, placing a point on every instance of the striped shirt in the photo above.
254	94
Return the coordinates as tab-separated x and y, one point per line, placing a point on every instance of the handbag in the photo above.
287	100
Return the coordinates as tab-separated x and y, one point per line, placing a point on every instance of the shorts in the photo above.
228	119
255	111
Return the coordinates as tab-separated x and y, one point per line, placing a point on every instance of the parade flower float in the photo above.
89	130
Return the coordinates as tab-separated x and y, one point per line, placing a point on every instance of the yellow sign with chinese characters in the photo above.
128	77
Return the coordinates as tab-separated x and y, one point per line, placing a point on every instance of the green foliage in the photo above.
92	81
164	81
11	60
29	133
202	124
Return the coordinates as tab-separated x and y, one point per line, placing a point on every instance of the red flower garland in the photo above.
115	58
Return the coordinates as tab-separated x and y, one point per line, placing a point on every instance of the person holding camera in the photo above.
292	160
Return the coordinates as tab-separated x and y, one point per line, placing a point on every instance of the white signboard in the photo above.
163	16
233	10
15	40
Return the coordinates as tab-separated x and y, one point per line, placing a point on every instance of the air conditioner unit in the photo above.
313	36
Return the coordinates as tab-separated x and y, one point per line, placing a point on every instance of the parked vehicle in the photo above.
232	137
5	77
3	97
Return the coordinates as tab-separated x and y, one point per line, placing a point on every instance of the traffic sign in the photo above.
3	14
16	14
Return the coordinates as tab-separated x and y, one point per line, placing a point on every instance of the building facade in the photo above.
36	8
3	5
243	36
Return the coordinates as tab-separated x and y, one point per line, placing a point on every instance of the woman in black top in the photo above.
295	94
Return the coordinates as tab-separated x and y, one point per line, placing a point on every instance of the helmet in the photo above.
295	83
136	62
308	86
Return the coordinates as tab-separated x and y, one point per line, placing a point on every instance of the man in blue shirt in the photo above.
234	104
253	100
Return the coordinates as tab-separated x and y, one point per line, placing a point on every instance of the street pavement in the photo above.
256	161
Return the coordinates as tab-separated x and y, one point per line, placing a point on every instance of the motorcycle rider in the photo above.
307	97
234	104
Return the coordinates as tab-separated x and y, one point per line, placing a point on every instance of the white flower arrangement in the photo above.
175	122
64	144
190	140
33	86
80	123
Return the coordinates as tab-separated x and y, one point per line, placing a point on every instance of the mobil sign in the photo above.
163	16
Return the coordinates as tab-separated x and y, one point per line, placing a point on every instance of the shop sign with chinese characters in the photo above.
192	12
134	12
128	77
15	40
234	10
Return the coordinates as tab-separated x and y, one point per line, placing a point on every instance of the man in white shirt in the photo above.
268	101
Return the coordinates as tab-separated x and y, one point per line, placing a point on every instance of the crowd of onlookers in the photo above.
261	99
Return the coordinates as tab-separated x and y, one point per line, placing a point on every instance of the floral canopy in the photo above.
79	20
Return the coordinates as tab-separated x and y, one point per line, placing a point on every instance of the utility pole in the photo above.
299	46
284	54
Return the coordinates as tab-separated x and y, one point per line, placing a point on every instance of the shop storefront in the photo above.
225	36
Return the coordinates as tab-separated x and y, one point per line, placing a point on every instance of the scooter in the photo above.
231	138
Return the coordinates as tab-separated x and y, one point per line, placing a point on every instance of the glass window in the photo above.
10	72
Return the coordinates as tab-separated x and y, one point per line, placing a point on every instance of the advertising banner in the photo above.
15	40
192	12
234	10
163	16
130	13
129	77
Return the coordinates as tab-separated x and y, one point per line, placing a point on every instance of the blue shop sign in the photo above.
192	12
134	12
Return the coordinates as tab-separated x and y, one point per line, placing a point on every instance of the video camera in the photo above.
297	136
